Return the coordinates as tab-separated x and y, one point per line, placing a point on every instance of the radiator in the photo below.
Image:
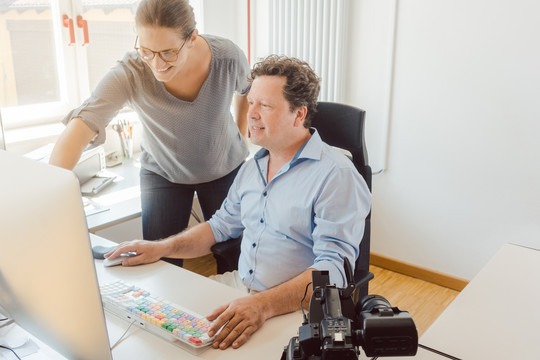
314	31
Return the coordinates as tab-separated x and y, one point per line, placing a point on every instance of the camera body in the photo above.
336	327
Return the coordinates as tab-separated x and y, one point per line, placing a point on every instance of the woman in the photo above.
181	85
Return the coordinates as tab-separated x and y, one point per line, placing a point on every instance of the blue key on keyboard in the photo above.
172	322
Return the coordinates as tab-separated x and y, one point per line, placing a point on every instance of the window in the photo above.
54	52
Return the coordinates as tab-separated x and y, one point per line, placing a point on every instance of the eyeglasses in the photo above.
169	55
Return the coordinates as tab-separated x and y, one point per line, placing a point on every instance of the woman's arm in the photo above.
240	106
71	144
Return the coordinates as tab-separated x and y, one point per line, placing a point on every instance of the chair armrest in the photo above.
227	254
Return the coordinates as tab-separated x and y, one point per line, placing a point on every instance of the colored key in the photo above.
157	314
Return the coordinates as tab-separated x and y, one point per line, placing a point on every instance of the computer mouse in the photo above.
118	260
99	251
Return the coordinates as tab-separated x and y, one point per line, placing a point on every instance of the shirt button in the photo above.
265	193
251	271
262	220
253	245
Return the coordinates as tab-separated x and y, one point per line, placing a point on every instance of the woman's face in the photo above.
160	39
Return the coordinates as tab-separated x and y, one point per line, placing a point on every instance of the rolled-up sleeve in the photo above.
109	97
242	85
340	212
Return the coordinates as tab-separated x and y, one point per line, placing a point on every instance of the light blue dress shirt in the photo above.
310	215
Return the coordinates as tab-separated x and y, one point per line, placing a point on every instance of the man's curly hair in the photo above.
302	87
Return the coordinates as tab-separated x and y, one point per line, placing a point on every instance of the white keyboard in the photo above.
178	325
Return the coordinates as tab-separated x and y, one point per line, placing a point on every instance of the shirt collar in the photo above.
311	149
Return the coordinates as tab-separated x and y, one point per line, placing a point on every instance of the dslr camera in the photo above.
336	326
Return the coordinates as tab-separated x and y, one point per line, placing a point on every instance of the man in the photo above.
300	204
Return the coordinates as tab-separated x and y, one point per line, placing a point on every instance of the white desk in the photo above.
122	198
173	283
122	203
188	289
496	316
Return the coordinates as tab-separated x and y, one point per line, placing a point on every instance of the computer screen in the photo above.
48	282
2	138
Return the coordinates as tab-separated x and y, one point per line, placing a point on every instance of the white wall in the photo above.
228	19
461	149
463	155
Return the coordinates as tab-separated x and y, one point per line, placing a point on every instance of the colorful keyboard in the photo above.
182	327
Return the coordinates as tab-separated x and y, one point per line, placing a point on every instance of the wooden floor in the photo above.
205	265
425	301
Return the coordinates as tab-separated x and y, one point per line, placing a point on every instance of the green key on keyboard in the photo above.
172	322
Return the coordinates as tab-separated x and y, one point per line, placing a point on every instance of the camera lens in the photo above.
370	302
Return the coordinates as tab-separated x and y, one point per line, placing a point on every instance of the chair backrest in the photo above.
342	126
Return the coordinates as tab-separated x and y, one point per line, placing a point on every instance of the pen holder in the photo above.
128	153
125	132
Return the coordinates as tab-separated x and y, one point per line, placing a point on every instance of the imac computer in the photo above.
48	283
2	139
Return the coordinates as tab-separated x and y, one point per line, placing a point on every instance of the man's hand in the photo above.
242	317
147	252
190	243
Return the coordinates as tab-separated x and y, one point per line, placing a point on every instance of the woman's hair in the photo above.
174	14
302	86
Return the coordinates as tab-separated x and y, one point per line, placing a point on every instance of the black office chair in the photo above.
341	126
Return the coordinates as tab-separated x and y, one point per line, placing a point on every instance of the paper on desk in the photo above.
95	185
27	349
17	339
91	207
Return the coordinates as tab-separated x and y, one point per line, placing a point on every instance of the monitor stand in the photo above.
15	338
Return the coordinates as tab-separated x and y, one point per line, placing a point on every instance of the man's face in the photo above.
270	120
